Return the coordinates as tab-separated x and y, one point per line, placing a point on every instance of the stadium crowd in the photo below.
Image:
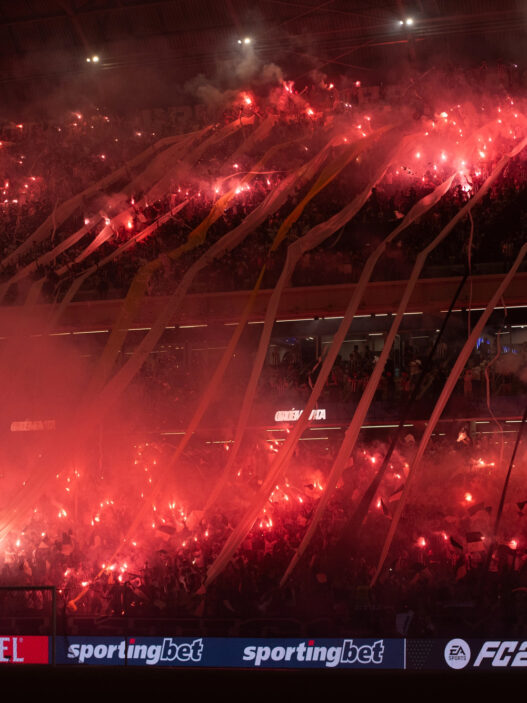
435	569
340	260
437	573
169	390
45	164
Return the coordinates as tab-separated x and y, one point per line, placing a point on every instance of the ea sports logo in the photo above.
457	654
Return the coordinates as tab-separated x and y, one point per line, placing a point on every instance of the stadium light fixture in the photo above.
93	59
409	21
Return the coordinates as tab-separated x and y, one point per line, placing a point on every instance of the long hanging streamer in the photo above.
126	373
79	281
442	401
331	171
177	147
260	133
46	258
371	387
150	177
499	512
238	535
287	449
38	483
139	354
68	208
140	282
295	251
355	521
273	202
159	189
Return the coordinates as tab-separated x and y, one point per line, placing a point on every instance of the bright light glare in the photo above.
409	21
95	59
247	40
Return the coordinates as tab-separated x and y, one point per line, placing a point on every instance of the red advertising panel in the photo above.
24	650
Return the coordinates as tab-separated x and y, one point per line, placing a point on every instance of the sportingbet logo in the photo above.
169	651
348	653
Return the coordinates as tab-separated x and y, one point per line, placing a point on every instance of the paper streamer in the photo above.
442	401
68	208
295	251
145	347
80	280
124	375
464	354
191	159
38	483
288	447
139	285
272	202
176	147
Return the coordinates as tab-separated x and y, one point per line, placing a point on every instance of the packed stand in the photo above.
107	142
435	569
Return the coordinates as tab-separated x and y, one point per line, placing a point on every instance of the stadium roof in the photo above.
51	40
